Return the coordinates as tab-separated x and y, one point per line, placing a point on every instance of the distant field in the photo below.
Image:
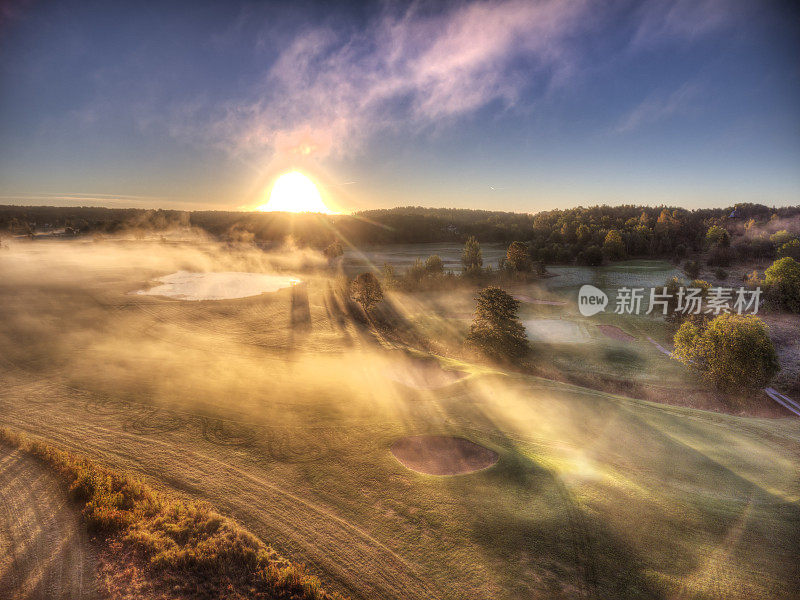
289	430
403	256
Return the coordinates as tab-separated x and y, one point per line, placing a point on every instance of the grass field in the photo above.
402	256
288	430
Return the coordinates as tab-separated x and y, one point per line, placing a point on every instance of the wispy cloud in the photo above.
657	108
327	92
660	20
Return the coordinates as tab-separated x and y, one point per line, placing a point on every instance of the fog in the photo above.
280	410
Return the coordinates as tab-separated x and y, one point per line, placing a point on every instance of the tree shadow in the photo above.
577	553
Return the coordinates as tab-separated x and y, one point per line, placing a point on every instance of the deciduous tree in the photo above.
517	257
732	351
366	290
613	246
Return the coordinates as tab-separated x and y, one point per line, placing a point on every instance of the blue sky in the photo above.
508	105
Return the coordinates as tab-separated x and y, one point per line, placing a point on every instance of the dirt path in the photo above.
44	552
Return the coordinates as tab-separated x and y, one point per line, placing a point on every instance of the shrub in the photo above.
782	279
692	269
779	238
790	249
716	236
752	279
434	265
732	351
721	273
719	257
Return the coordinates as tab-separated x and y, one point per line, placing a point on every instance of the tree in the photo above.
334	251
584	234
366	290
388	275
416	272
782	279
673	287
434	265
472	258
592	256
496	329
613	246
677	292
717	237
517	257
732	351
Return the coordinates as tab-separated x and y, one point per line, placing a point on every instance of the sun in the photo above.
294	192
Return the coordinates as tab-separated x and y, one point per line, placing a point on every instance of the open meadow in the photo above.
284	413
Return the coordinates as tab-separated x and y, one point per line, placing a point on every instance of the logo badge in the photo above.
591	300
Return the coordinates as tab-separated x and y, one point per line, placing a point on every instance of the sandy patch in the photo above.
557	331
442	455
421	374
615	333
185	285
44	550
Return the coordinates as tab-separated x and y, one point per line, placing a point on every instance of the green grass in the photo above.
595	495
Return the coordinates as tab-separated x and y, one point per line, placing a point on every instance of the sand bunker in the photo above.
615	333
442	455
556	331
421	374
185	285
531	300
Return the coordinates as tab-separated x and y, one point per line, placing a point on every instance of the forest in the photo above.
578	235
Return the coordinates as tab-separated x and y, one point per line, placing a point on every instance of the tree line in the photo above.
577	235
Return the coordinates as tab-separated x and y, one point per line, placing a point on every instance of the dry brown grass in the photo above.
155	546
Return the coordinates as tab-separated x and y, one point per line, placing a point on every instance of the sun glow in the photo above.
294	192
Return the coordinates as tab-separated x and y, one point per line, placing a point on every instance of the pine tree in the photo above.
496	329
472	258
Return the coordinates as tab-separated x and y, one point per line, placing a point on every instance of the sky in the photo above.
518	105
